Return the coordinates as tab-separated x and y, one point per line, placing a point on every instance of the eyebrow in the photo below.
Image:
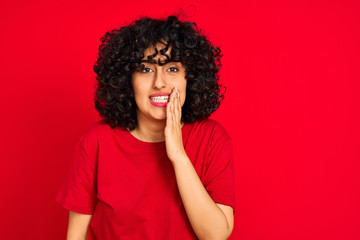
152	61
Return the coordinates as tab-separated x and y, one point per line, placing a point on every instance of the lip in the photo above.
156	104
160	94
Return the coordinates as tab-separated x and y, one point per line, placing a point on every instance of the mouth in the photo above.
160	99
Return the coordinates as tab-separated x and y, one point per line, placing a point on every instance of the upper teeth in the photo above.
161	99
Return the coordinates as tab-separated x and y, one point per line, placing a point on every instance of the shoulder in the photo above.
209	127
95	133
208	130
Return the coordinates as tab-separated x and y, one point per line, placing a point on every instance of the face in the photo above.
153	84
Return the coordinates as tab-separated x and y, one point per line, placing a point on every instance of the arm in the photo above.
208	219
78	226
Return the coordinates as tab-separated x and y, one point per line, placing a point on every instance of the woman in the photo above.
155	167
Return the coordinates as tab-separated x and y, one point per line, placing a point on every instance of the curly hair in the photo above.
122	51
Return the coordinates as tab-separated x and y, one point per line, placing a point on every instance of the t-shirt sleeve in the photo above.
219	175
78	190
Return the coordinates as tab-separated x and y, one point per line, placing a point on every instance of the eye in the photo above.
145	70
173	69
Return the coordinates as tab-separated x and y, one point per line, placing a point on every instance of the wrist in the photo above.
179	158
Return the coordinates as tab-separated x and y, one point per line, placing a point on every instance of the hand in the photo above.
173	135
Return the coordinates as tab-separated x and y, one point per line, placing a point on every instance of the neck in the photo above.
149	131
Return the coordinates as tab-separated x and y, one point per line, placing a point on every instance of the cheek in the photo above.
139	97
140	88
183	95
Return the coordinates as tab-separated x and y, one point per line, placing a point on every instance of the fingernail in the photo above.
177	91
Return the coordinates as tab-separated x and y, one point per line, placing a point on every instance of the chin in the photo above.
157	114
160	117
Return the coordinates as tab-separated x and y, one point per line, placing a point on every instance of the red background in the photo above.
292	73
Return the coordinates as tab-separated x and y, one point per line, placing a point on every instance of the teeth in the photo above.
160	99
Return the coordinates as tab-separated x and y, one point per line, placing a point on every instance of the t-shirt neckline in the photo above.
142	145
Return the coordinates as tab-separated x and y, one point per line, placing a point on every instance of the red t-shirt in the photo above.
129	186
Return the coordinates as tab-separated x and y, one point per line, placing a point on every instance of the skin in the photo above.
78	226
150	80
208	219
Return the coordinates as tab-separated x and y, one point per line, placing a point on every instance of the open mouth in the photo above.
160	99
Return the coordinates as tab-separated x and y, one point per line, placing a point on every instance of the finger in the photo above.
168	114
179	105
174	109
171	101
177	112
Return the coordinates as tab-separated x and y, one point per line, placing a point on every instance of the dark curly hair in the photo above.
122	51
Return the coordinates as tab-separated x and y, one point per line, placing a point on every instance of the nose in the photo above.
159	80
